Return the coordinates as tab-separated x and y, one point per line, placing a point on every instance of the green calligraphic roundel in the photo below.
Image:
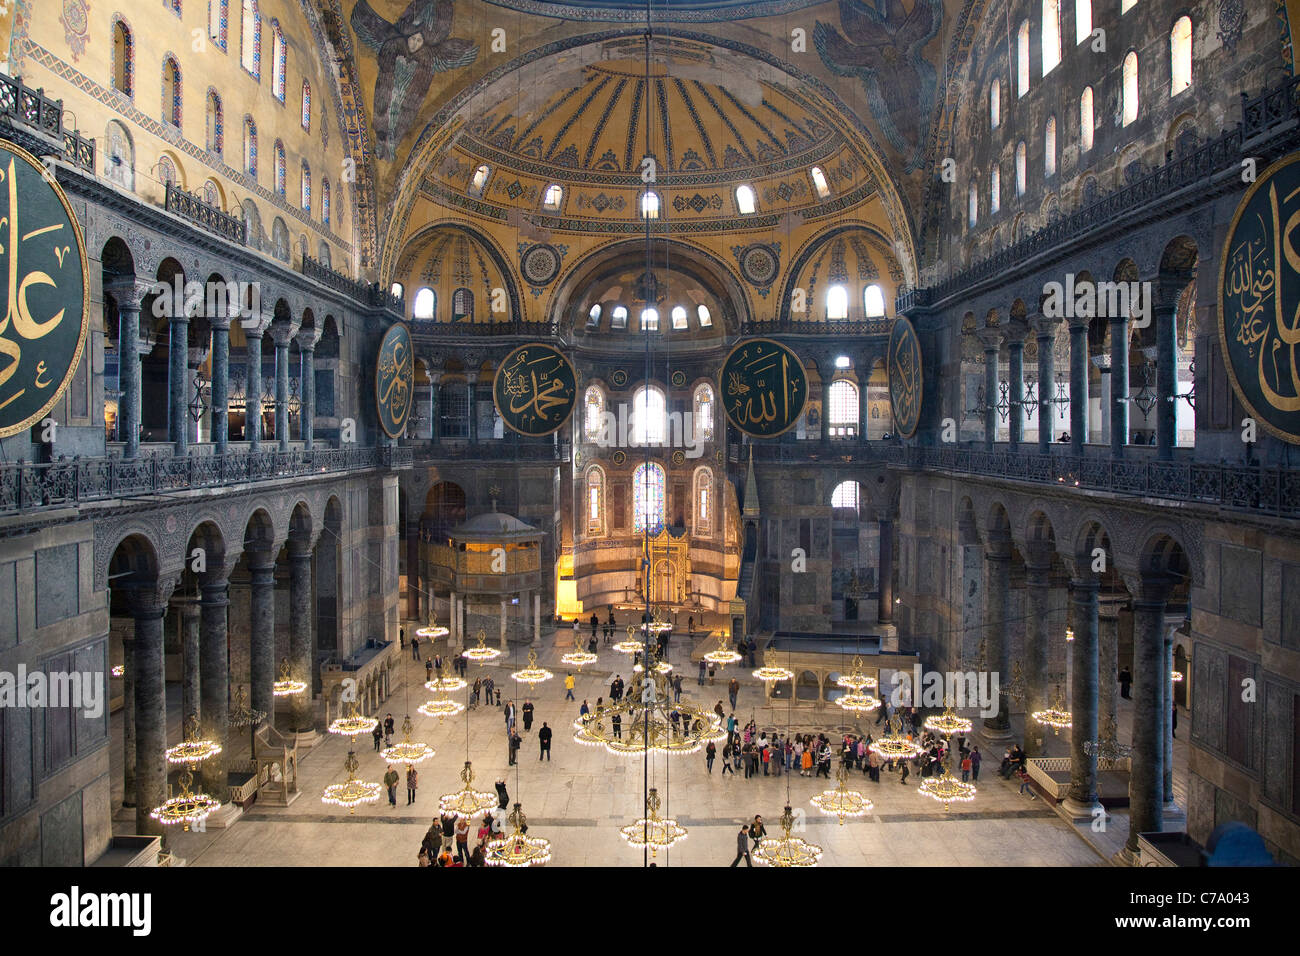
535	390
764	388
905	383
1259	300
395	380
46	287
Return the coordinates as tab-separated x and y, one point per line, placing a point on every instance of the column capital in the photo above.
991	338
1044	326
256	323
282	333
1016	332
148	602
307	338
214	593
129	291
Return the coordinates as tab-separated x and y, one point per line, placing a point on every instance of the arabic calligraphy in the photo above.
46	292
535	390
905	379
1260	300
764	388
394	380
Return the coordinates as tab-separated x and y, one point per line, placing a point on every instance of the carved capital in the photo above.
129	291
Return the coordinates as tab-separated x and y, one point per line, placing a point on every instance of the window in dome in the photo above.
281	177
554	196
1130	91
478	181
704	412
618	320
706	320
595	412
1022	169
745	200
250	33
648	498
123	58
995	103
845	495
593	317
649	320
1082	20
649	204
873	305
679	317
1049	147
1126	5
426	302
704	501
397	290
1051	35
595	501
837	302
279	61
218	18
1085	119
306	187
995	190
306	106
171	94
819	182
973	206
325	200
1022	59
250	146
649	419
1180	52
216	123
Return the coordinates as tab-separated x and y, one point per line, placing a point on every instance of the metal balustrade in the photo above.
195	209
33	109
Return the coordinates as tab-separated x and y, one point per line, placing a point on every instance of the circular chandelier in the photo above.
467	802
518	849
788	850
578	657
895	745
645	722
481	654
661	667
440	707
1108	747
653	831
856	680
948	723
723	654
186	807
842	802
286	686
408	751
858	703
771	672
445	685
1175	676
532	674
353	724
1055	716
1069	635
433	630
352	792
947	789
241	715
632	645
192	750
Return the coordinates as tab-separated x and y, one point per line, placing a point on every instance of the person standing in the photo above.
378	734
700	680
742	847
710	752
726	760
428	669
544	738
595	623
1125	681
757	831
462	840
568	687
617	723
488	684
584	710
515	741
415	648
390	781
733	689
510	716
388	731
478	689
503	795
965	768
677	688
975	764
528	716
412	781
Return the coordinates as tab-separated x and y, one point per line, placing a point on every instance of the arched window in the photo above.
218	18
745	200
1180	55
819	182
325	201
167	171
1082	20
1022	59
995	103
703	501
171	91
478	182
846	495
553	197
306	106
649	416
306	187
123	59
679	317
704	412
593	317
250	146
1049	147
426	301
250	32
1022	169
706	319
594	403
995	190
279	61
215	123
648	498
462	305
837	302
1051	35
210	194
842	417
1130	92
873	302
281	175
649	320
1085	119
618	320
397	290
649	204
595	501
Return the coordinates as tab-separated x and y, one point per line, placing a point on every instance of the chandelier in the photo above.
1017	689
482	653
518	849
353	724
440	707
1108	747
118	670
948	723
842	802
895	745
433	630
467	802
645	722
632	645
286	686
1055	716
578	657
947	789
771	672
1069	635
408	751
1175	676
858	704
653	831
856	680
532	674
352	792
445	685
192	750
723	654
661	667
187	807
788	850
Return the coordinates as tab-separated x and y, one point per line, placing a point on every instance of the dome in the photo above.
495	525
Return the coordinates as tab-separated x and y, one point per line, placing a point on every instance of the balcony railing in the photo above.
369	293
458	449
535	329
876	326
197	210
517	560
28	486
33	109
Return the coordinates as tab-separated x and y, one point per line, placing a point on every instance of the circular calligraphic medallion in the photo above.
394	380
759	264
1259	300
764	388
46	287
905	383
540	264
535	390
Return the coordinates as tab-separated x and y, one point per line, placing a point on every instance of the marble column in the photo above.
829	365
190	704
300	620
254	329
471	387
1016	384
129	293
1146	776
220	393
885	588
1078	385
128	721
214	684
992	341
1103	370
1045	332
997	563
1163	314
150	712
435	426
282	334
537	617
193	387
178	379
261	602
1082	799
454	625
1172	623
1118	384
503	625
307	340
1038	634
1108	660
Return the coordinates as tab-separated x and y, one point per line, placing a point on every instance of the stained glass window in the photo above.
279	61
306	105
250	50
280	178
325	201
648	498
595	412
306	187
704	413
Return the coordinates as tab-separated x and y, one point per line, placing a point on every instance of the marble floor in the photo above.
580	799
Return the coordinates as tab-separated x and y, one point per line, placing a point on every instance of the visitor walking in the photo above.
742	847
700	679
733	689
428	669
568	687
390	781
975	764
378	734
415	648
710	752
503	795
726	760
